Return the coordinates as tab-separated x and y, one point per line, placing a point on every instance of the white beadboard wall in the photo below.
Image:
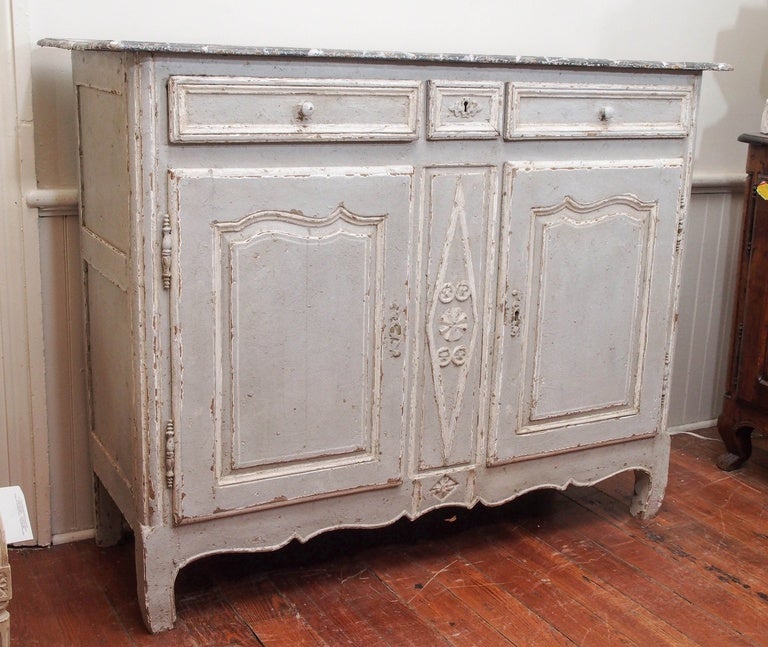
699	362
71	485
706	303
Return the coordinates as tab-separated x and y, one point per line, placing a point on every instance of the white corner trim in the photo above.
22	365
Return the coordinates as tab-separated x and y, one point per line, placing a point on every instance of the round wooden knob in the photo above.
306	109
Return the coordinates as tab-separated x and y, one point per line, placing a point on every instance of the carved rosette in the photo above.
454	323
453	320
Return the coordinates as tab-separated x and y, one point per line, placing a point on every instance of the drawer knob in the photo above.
306	109
607	113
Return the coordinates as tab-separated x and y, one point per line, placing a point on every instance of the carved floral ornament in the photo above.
395	329
456	356
460	291
443	487
454	323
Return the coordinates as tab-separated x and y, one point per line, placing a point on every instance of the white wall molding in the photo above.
63	201
53	202
718	182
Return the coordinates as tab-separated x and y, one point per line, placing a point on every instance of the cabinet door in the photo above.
288	320
587	273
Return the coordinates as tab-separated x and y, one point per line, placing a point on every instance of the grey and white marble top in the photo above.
376	55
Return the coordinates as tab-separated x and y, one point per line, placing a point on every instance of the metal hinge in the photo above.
165	252
170	453
680	235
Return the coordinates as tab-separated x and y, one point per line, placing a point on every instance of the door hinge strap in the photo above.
165	252
170	453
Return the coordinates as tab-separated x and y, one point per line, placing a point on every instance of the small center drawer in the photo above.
464	110
564	110
210	109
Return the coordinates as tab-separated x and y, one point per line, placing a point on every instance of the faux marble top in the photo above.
377	55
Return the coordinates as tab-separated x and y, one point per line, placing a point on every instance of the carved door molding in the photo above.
587	257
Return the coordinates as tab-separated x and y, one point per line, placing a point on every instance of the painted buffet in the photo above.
330	289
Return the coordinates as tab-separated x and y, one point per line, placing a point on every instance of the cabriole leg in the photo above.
738	443
155	578
649	493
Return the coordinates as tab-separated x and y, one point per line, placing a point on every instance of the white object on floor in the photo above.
13	512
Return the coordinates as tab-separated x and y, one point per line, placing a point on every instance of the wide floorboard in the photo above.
555	568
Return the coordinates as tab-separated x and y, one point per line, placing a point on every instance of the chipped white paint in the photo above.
354	332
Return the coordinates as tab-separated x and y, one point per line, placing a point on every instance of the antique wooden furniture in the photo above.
745	406
330	289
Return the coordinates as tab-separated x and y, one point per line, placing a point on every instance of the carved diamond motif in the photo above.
452	319
443	487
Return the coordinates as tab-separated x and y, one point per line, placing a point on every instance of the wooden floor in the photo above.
557	569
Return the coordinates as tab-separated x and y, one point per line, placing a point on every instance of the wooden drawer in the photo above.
210	109
566	110
464	110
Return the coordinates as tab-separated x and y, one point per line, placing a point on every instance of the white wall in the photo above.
731	31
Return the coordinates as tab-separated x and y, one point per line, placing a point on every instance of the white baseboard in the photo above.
693	426
68	537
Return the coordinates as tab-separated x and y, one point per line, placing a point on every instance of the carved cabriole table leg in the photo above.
650	484
648	494
5	591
